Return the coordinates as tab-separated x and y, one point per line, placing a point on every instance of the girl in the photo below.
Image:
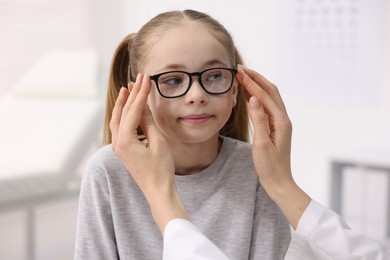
194	126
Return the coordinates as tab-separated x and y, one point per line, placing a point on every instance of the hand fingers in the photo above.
147	123
149	127
134	108
133	90
260	122
247	95
266	85
254	89
117	113
278	127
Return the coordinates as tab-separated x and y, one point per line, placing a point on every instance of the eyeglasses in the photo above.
215	81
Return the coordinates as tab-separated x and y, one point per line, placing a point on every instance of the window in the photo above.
361	195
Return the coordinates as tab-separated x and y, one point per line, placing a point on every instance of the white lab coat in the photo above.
321	234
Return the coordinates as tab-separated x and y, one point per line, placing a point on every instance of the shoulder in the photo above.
103	158
103	162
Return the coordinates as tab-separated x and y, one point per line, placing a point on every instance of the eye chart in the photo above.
330	50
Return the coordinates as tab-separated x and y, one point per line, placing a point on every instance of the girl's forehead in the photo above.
187	46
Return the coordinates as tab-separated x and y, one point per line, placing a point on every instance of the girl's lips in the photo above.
196	119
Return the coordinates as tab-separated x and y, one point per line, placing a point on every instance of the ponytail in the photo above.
119	76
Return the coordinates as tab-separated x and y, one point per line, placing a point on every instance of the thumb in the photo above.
259	120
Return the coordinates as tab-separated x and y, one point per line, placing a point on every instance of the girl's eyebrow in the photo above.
214	62
173	67
176	66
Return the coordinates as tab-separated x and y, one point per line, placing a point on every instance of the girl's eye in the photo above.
173	81
215	76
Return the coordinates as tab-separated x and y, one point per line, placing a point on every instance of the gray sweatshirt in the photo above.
225	201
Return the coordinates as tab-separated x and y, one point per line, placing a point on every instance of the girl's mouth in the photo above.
196	118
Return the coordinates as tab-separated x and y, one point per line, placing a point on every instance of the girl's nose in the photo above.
196	94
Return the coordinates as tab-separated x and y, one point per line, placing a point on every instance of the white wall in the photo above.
244	19
322	131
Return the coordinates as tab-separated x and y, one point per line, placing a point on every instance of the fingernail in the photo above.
254	103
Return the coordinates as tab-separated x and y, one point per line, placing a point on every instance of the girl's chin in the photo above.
195	137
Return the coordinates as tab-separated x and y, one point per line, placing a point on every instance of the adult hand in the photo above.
272	143
150	163
272	128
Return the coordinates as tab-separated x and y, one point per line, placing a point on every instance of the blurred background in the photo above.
329	58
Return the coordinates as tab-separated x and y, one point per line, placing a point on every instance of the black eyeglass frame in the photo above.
155	78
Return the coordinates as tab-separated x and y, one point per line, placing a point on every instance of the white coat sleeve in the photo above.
183	241
322	234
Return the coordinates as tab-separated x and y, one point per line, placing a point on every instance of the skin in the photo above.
168	150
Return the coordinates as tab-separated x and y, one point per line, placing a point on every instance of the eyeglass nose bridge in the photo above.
199	75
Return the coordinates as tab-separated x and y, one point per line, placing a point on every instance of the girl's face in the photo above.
197	116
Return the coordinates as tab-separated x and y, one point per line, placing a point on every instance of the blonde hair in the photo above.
130	54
